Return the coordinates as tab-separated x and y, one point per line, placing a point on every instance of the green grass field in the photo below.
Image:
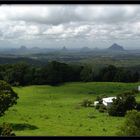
54	111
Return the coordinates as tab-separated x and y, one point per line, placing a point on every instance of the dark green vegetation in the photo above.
55	110
124	102
6	130
7	99
131	126
55	73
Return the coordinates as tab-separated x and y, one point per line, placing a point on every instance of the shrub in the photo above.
98	98
86	103
135	91
7	97
131	126
6	130
123	103
97	106
102	108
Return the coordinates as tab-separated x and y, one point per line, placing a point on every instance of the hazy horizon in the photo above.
73	26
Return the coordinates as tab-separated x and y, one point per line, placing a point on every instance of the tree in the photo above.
123	103
86	74
7	97
6	130
56	73
131	126
136	77
18	74
123	75
53	73
108	73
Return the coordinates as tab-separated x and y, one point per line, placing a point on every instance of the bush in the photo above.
100	105
86	103
135	91
138	106
97	106
7	97
98	98
102	108
6	130
131	126
123	103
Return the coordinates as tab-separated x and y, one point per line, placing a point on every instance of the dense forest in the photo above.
55	73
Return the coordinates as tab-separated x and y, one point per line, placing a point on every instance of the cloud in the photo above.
91	23
59	14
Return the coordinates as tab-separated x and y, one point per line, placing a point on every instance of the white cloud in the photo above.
66	22
55	30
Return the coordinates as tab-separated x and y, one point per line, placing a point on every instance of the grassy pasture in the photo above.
54	111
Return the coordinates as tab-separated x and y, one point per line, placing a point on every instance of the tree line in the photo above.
55	73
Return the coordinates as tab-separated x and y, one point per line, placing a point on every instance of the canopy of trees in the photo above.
55	73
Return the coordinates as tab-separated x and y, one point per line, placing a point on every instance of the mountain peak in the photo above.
116	47
85	49
23	48
64	48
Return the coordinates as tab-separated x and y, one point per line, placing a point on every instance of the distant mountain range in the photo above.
41	56
36	50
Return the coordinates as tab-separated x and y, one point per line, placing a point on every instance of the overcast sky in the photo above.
70	25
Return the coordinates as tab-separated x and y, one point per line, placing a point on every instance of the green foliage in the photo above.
123	75
131	126
6	130
117	74
99	97
108	73
7	97
55	73
138	106
136	77
86	74
97	106
124	102
86	103
102	108
135	91
18	74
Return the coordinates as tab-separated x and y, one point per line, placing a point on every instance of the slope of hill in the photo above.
55	111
